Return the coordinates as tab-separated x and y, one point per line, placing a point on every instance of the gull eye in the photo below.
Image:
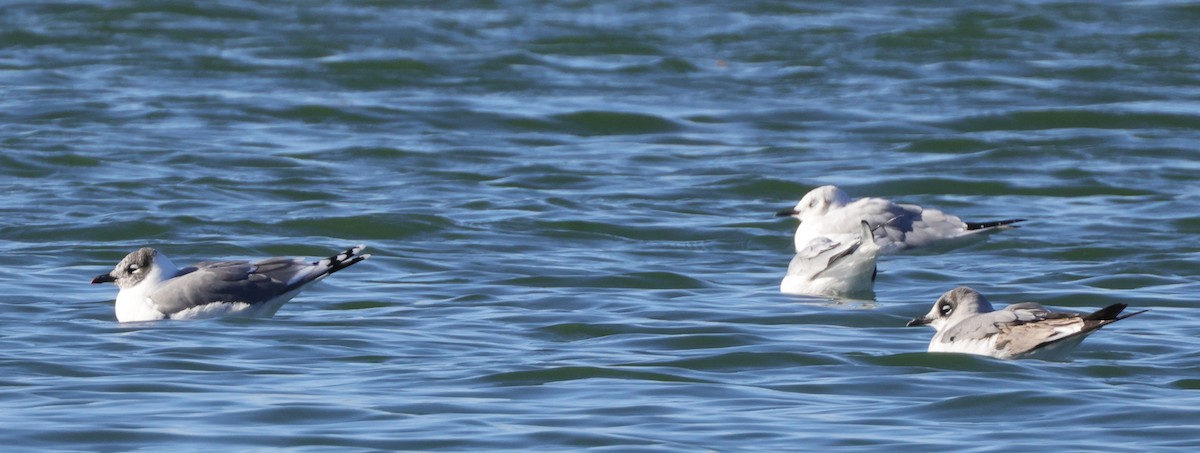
945	309
133	269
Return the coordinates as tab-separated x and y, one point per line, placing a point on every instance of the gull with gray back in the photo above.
841	265
828	210
152	288
966	323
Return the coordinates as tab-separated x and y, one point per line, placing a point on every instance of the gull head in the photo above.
954	306
136	267
816	203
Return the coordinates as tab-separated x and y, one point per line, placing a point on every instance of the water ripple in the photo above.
570	209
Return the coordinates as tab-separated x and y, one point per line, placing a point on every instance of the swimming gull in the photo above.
152	288
828	210
966	323
840	265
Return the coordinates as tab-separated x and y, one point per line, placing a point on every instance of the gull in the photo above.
152	288
966	323
828	210
840	265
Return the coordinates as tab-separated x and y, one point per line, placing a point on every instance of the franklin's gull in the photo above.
152	288
966	323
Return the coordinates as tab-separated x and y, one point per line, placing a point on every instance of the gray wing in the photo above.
892	222
227	281
1031	311
250	283
1024	327
820	253
984	325
921	227
823	246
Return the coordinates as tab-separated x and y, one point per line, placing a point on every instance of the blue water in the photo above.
570	208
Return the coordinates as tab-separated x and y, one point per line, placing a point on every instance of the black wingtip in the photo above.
992	224
1131	314
347	258
1107	313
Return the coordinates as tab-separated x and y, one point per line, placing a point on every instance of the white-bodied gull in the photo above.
152	288
841	265
828	210
966	323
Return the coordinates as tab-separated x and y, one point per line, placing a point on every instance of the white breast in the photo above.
134	305
983	346
213	310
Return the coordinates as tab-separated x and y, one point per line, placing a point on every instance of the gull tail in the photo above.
992	224
299	273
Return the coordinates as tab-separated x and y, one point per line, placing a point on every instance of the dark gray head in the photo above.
954	306
131	270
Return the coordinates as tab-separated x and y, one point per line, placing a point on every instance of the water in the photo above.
570	208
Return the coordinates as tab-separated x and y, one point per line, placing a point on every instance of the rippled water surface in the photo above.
570	207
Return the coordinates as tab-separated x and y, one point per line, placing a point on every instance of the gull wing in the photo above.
1027	328
226	281
245	282
984	325
821	253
